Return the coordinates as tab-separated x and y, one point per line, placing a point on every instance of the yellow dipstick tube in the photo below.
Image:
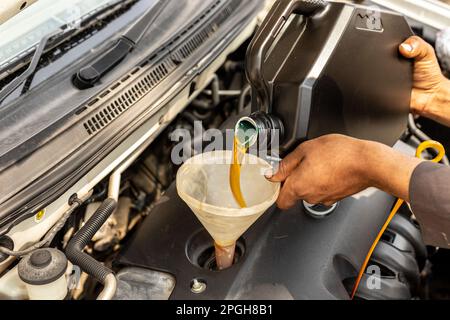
422	147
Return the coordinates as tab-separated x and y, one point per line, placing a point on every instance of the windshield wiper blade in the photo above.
89	75
39	51
70	29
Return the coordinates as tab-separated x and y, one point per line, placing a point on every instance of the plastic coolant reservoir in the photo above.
57	290
203	183
43	272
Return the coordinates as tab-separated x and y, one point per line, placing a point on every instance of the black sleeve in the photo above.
429	192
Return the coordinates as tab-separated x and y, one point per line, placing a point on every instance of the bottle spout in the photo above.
259	127
246	132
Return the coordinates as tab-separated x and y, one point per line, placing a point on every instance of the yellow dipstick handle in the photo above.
430	144
420	149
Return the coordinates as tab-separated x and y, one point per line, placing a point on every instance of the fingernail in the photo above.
268	174
407	47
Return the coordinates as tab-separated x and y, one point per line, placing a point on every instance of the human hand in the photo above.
333	167
431	90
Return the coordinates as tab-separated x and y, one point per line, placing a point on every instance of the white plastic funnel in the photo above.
203	183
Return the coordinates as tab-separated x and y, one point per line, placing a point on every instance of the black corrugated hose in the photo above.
80	240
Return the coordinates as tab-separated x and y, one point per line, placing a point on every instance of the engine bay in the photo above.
159	250
141	241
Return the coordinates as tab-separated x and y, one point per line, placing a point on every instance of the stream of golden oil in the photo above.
235	172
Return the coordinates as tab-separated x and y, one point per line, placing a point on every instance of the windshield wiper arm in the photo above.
39	51
89	75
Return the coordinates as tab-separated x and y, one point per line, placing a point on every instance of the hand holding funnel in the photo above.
203	183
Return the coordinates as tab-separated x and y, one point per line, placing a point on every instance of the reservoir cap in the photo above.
42	266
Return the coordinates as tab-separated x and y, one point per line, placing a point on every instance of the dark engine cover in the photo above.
336	71
285	255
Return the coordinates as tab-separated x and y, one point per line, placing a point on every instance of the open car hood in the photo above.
56	133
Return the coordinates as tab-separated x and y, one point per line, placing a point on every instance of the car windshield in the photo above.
24	30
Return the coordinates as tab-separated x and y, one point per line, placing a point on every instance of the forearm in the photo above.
438	108
430	202
388	170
